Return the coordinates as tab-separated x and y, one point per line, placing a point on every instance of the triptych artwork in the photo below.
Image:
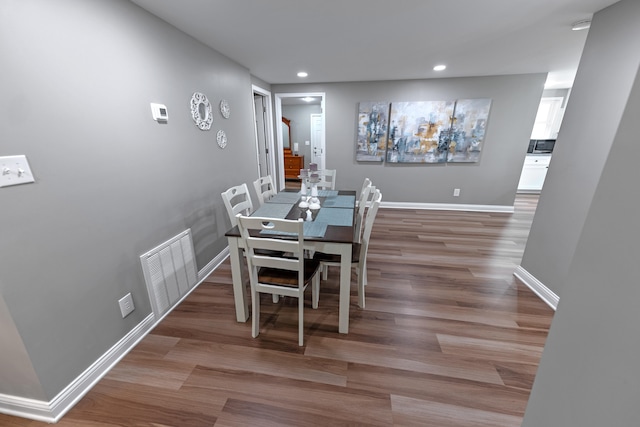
422	132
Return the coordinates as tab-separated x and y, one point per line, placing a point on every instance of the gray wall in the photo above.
260	83
17	376
589	375
301	126
492	181
607	70
111	183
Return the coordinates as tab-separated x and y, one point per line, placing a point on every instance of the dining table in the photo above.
329	229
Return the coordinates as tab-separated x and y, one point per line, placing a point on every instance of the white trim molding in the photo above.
54	410
448	207
212	265
545	294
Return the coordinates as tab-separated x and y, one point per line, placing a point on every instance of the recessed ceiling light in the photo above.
302	74
439	67
307	99
581	25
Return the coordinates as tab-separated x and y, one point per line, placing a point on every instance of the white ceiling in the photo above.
368	40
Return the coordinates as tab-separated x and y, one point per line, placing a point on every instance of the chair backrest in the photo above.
264	188
367	182
368	224
255	232
237	201
327	179
362	205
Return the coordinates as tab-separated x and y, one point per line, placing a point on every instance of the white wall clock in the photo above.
201	111
222	139
225	110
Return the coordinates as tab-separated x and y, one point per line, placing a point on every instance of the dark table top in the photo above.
334	233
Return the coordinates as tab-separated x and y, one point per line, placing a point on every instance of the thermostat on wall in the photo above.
159	112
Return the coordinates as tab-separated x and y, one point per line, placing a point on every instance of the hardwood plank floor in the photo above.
448	338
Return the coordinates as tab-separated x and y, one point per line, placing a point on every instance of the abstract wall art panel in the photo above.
418	131
468	126
373	127
422	131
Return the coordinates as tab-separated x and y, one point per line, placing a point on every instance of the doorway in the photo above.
317	140
288	101
263	123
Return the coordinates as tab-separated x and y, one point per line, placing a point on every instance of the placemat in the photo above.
327	193
285	197
314	229
335	216
310	229
340	202
273	210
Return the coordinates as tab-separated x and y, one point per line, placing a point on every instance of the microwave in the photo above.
541	146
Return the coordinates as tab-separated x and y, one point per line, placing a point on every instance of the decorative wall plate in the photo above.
201	111
225	110
222	139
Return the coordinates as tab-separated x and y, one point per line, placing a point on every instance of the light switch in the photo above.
15	170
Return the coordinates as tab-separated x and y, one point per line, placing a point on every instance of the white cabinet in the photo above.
534	172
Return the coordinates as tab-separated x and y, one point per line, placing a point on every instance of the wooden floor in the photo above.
448	338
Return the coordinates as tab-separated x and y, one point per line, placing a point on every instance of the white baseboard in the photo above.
448	207
213	264
38	410
537	287
51	412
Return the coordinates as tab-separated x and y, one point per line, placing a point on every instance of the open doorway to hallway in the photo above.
303	137
263	121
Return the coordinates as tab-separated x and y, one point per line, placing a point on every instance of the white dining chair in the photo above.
359	250
327	179
278	275
362	204
265	189
237	201
367	182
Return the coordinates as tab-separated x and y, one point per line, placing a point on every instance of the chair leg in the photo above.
362	278
275	298
363	272
315	291
255	316
301	319
325	271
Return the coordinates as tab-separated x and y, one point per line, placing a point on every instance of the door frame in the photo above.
268	120
318	138
278	129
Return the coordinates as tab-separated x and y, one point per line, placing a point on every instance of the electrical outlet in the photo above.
126	305
456	192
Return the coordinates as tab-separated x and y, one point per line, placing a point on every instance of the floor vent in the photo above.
169	272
